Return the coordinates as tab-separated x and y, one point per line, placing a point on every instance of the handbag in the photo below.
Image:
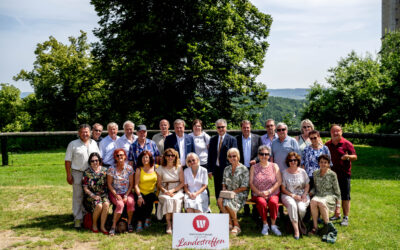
227	194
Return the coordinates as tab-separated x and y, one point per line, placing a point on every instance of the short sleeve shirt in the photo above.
194	184
78	153
280	150
340	167
120	180
135	150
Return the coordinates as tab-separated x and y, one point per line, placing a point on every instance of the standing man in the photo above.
342	153
108	144
217	154
180	141
140	145
128	138
270	136
248	144
76	162
282	146
97	129
159	138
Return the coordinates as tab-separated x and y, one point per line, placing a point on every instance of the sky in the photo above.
307	37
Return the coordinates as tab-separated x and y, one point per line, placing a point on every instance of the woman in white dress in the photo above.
196	182
170	182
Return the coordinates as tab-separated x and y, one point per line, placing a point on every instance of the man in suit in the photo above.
248	144
217	154
181	142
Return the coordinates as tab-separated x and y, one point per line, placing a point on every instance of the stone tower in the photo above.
390	16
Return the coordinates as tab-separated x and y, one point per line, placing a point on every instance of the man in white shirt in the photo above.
76	162
108	144
128	138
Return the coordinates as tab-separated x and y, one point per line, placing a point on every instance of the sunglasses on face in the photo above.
97	130
292	160
306	126
281	129
232	156
220	127
263	154
170	156
313	138
192	160
92	161
269	126
120	155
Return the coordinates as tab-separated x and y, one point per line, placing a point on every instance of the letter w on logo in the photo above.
201	223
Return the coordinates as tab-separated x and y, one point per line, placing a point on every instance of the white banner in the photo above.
206	231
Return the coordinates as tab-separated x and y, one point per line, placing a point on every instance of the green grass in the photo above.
35	209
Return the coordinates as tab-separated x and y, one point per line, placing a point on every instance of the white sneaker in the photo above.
265	229
275	230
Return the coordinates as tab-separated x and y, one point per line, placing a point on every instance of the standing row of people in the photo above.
212	154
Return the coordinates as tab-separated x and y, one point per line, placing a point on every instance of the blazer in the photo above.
255	143
172	142
228	142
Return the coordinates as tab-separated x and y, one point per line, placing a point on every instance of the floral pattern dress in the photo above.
310	156
240	178
97	184
326	189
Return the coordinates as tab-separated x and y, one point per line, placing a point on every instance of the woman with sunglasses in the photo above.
295	187
170	182
145	187
303	139
265	180
94	184
196	182
309	158
120	184
236	179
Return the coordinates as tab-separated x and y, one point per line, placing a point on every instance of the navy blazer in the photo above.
255	143
172	142
228	142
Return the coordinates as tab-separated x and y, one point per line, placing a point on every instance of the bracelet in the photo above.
140	196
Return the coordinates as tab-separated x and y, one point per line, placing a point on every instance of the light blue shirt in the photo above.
124	143
266	141
280	150
246	145
107	147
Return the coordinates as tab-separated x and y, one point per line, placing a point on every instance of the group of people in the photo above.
174	168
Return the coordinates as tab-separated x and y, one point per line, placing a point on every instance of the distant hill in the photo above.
298	94
25	94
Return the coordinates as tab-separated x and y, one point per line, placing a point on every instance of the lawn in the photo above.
36	209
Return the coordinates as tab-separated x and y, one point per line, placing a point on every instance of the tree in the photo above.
355	93
12	115
181	58
67	87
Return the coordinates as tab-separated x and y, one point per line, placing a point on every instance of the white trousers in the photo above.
295	208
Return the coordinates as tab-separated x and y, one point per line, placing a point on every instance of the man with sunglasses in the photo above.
76	162
270	136
217	154
97	129
282	146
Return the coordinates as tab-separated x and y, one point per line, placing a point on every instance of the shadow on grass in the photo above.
49	222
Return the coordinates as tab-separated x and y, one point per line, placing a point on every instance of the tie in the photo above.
219	149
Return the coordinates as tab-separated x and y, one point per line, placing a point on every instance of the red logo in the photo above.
200	223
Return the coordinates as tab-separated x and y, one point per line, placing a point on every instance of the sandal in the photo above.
139	227
130	228
236	230
147	223
313	232
169	230
112	232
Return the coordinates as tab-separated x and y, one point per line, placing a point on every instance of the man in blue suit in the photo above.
181	142
217	154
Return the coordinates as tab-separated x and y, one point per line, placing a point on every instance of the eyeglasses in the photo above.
169	155
263	154
220	127
292	160
98	130
92	161
269	126
232	156
192	160
281	129
306	126
120	155
313	138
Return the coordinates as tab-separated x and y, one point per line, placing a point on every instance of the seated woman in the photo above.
170	182
236	179
265	180
94	184
145	187
196	182
326	192
120	184
309	158
295	187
